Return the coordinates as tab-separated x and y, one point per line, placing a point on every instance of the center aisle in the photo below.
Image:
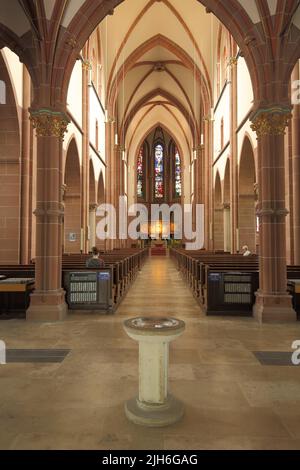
159	291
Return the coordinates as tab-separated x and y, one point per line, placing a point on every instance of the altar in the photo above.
159	248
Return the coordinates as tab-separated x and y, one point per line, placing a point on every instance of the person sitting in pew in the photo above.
95	261
246	251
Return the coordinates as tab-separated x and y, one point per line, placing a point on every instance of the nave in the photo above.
130	130
231	400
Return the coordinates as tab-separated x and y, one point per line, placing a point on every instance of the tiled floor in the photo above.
232	401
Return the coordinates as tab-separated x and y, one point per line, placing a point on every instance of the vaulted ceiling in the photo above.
159	64
160	55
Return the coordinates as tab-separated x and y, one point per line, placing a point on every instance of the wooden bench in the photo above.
223	284
122	266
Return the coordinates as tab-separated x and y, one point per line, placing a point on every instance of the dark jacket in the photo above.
95	263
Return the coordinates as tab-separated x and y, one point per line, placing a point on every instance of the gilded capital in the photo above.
93	207
199	148
86	65
272	121
232	61
48	123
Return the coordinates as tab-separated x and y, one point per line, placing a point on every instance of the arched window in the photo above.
159	171
140	174
177	172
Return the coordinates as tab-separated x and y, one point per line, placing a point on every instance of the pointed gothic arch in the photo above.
72	200
247	198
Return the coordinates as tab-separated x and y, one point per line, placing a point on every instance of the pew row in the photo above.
100	289
223	284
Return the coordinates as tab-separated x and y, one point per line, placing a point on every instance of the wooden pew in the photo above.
223	284
123	266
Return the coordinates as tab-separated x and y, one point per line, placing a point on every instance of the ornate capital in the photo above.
56	213
209	118
198	149
93	207
72	42
63	191
48	123
232	61
86	65
268	212
119	149
271	121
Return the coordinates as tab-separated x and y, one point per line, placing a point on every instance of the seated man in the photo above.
246	251
95	261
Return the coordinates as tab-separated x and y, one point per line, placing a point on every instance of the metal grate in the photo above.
274	358
36	355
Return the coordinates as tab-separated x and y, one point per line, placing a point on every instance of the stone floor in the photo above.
232	402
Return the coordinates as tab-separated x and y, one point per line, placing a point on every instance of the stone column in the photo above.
273	304
198	174
197	189
92	224
227	227
296	171
48	301
63	235
86	71
117	186
234	160
109	173
25	239
208	194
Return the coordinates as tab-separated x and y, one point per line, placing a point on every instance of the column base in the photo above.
274	309
47	307
153	415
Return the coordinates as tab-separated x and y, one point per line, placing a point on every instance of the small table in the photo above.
295	283
15	295
154	407
294	290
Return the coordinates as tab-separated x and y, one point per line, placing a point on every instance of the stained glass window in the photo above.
178	187
159	171
140	174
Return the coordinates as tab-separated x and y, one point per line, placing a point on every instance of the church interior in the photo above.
194	106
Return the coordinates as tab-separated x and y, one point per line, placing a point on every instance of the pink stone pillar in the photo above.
109	174
48	301
296	172
273	304
25	242
84	200
208	172
234	158
117	185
